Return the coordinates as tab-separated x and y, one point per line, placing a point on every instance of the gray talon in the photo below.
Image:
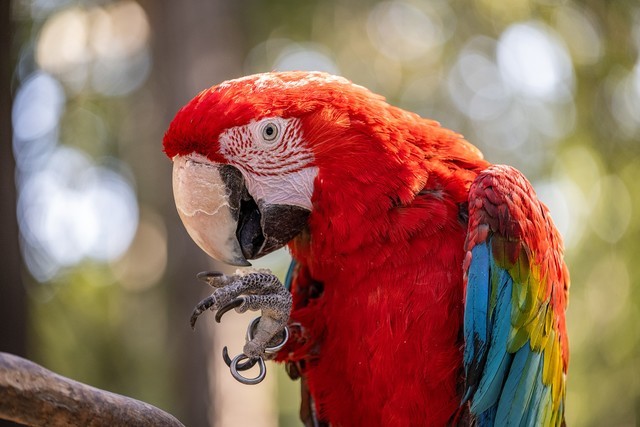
211	278
250	363
230	306
250	290
244	380
202	306
215	279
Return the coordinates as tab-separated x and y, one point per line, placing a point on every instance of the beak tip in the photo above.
235	258
241	263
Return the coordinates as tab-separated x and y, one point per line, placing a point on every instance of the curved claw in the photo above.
245	380
202	306
241	366
229	306
225	356
206	275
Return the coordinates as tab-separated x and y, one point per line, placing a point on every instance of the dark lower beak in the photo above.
223	218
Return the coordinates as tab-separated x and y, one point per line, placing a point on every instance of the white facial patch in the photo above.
274	160
294	188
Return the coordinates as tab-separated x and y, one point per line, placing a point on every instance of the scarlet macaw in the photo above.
428	285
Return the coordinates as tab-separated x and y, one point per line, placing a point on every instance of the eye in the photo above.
269	132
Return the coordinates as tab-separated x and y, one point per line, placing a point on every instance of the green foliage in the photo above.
87	327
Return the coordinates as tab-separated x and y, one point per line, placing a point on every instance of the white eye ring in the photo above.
270	131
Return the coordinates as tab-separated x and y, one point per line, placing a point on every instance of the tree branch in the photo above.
33	395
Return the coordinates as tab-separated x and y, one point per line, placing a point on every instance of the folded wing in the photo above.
516	350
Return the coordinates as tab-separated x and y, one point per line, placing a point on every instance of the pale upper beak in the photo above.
223	218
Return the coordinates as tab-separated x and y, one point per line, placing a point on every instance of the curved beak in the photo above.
223	218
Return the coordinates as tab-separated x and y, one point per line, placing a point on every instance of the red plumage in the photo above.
378	288
388	323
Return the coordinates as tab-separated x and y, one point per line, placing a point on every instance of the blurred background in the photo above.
98	275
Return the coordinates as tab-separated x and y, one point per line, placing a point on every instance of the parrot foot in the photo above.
250	290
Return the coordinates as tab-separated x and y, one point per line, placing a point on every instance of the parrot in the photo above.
427	286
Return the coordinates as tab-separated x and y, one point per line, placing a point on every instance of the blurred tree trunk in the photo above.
13	311
194	46
12	292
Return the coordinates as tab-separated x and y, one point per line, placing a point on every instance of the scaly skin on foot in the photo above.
249	289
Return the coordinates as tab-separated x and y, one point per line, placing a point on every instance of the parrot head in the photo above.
246	154
255	159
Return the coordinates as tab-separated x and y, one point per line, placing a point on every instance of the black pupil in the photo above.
269	130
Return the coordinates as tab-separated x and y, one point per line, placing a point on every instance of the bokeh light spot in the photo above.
582	165
474	82
107	46
402	31
534	61
38	106
610	205
581	33
625	100
63	41
119	31
144	263
607	289
121	77
568	208
73	210
305	56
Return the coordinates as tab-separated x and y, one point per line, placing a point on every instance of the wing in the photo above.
516	349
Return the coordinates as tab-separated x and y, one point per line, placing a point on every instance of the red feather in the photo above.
378	292
382	344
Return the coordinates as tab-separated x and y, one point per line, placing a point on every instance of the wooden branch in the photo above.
35	396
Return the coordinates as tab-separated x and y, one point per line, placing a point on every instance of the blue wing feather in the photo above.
487	418
514	405
508	388
476	316
498	361
290	273
515	340
536	399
